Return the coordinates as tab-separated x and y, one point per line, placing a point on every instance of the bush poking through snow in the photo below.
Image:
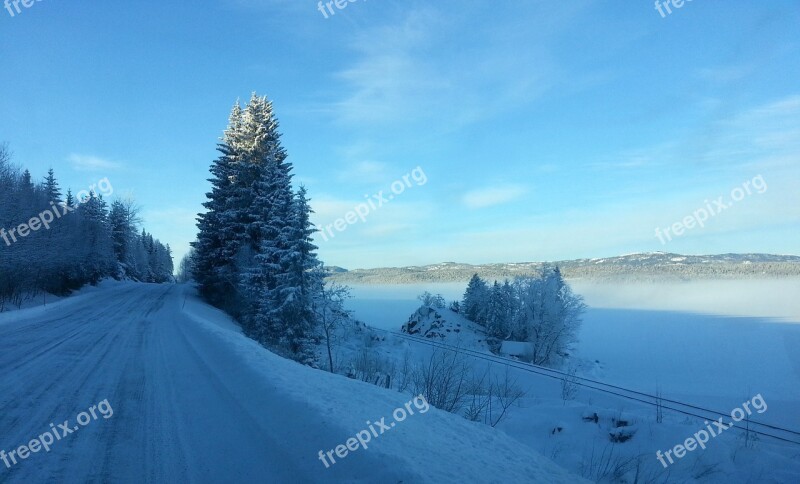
621	434
369	367
701	470
506	393
607	466
443	380
590	417
432	300
404	379
569	385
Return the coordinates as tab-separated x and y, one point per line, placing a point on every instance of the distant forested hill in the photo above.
657	266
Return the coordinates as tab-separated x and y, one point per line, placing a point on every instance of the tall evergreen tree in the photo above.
254	255
50	187
499	310
214	268
476	299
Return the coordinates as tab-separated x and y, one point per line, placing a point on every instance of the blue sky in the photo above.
546	130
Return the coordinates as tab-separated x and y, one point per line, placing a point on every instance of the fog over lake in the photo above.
388	306
719	341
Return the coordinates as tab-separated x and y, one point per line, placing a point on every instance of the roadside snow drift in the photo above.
195	401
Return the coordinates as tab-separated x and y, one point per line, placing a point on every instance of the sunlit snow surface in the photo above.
711	343
196	401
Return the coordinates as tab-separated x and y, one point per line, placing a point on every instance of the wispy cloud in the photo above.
725	74
634	161
487	197
397	76
767	131
367	171
92	163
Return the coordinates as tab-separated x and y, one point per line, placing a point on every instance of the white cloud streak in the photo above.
487	197
91	163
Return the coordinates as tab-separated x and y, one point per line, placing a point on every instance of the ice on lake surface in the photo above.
713	342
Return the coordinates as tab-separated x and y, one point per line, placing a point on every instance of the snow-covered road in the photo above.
195	401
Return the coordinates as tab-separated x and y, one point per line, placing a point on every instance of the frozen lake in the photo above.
716	342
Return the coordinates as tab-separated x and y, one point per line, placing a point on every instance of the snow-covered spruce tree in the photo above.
511	306
284	315
146	241
51	272
303	279
476	300
262	228
214	268
50	188
120	236
167	264
254	256
186	267
97	253
160	259
69	199
124	221
500	310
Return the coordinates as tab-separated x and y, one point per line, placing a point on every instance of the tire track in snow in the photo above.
75	368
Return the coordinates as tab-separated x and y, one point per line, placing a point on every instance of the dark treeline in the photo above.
54	242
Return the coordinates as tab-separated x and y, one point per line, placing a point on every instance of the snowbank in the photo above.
436	446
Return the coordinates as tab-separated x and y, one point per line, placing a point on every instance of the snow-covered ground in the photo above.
712	344
193	400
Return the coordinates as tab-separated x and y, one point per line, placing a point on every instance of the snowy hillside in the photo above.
604	432
444	325
195	400
605	415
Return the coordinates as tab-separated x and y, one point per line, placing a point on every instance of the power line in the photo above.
604	387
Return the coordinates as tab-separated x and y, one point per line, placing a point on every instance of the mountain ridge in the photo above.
643	266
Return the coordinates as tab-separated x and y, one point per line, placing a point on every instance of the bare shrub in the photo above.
444	380
481	397
569	385
506	393
701	470
369	367
607	466
406	373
